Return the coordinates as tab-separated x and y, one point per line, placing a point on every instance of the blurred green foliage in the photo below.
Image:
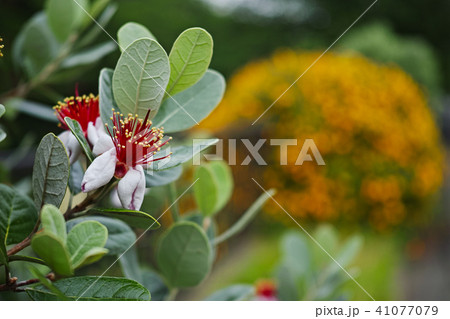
378	42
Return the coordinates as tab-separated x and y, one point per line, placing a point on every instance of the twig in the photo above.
12	284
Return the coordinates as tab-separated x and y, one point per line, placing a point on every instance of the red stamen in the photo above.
135	141
84	109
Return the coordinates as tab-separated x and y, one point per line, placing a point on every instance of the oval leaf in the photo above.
92	288
18	215
106	98
89	56
189	59
120	235
133	218
206	190
84	241
50	172
50	248
75	178
160	178
184	255
155	284
140	78
131	32
214	186
191	106
36	45
64	16
76	130
53	222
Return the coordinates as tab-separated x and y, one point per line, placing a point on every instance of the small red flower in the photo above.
130	146
135	141
266	290
84	109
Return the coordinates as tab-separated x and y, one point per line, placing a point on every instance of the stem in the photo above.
26	258
23	244
83	205
13	284
175	210
172	294
69	214
245	219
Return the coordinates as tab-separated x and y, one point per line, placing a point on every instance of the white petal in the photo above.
103	144
99	124
92	133
131	188
114	198
71	144
100	171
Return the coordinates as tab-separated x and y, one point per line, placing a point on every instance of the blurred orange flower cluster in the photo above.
371	123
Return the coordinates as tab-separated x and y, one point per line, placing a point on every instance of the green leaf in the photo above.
27	259
133	218
214	186
102	21
18	216
328	238
191	106
140	78
75	178
347	253
189	59
233	293
155	284
64	16
3	254
35	46
120	235
181	154
89	56
287	288
129	264
86	288
160	178
131	32
2	110
223	175
53	222
50	172
91	256
76	130
296	253
53	250
206	190
85	242
34	109
46	282
106	97
2	134
184	255
246	218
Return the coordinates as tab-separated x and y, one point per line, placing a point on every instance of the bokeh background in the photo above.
377	106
